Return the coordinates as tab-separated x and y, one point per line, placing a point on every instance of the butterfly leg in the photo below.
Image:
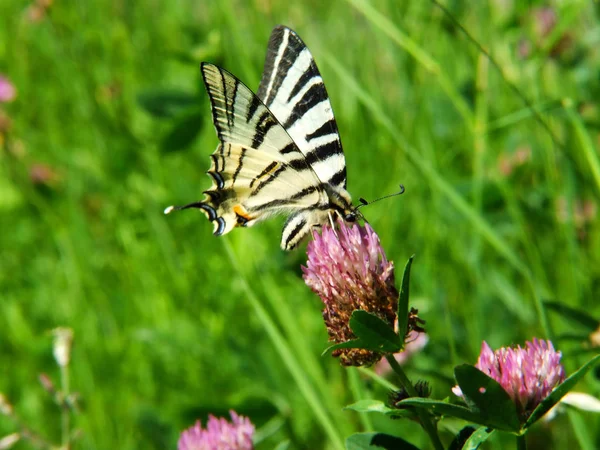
332	222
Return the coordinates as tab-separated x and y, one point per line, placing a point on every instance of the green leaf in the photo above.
560	392
491	401
370	405
283	445
377	406
355	343
364	441
470	438
183	133
477	438
373	332
402	312
577	315
166	103
440	408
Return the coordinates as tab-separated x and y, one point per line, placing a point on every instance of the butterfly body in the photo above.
280	151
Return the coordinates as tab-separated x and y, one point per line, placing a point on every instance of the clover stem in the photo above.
424	417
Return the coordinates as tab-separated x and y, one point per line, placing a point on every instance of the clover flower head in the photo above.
8	92
347	268
219	434
527	374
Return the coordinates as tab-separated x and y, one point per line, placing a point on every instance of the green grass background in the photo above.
172	323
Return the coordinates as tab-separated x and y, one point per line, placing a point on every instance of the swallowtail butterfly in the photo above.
280	151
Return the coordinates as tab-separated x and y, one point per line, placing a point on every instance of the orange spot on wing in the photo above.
241	212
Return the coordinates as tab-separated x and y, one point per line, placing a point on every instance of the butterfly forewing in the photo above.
292	88
257	169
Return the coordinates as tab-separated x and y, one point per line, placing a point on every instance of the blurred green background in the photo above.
111	125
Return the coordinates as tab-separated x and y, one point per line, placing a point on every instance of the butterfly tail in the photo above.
223	223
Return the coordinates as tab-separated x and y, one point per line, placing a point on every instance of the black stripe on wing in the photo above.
323	130
267	170
278	61
260	132
238	169
311	98
288	61
339	178
231	100
295	227
288	200
265	122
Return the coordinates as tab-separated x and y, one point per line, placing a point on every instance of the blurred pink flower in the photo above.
348	269
41	174
579	211
509	161
528	375
8	92
38	10
544	21
523	48
415	342
219	434
522	155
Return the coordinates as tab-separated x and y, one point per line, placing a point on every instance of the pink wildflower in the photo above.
8	92
527	374
219	434
348	269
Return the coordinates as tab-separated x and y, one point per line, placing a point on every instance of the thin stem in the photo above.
426	422
356	387
522	442
65	410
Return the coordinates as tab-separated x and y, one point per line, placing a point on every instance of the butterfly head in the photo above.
341	203
353	215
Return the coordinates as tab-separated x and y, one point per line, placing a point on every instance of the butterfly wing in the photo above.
293	90
257	169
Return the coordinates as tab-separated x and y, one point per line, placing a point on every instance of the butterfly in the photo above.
279	151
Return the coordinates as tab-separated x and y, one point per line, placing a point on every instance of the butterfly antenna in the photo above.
170	209
363	202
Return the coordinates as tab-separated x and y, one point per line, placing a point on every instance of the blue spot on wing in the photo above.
221	226
212	214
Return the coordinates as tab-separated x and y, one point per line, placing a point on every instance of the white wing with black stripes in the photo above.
292	88
285	158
